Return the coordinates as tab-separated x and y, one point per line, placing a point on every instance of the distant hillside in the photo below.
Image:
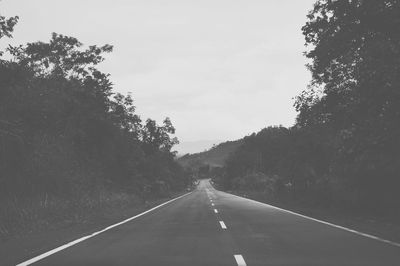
215	156
195	146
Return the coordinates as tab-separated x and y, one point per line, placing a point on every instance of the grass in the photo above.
19	217
34	226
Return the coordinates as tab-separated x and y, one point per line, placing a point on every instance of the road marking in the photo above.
50	252
212	204
239	260
222	224
326	223
215	210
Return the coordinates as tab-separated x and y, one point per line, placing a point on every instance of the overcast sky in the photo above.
219	69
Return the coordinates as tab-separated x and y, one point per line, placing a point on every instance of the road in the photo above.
210	227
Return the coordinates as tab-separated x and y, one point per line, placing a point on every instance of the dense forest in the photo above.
69	144
214	157
344	148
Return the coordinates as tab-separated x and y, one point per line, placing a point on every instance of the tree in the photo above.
123	111
344	148
7	26
354	95
157	138
64	109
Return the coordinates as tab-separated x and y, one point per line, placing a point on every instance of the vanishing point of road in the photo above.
210	227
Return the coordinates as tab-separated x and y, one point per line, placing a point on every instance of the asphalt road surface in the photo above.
209	227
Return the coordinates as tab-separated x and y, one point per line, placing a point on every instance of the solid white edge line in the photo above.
215	210
324	222
50	252
239	260
223	226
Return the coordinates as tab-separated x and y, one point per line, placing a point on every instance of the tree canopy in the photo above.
61	119
345	144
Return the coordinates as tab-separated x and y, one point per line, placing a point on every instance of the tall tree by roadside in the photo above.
345	147
354	46
58	112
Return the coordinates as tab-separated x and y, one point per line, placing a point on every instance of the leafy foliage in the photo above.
64	132
7	26
214	157
345	145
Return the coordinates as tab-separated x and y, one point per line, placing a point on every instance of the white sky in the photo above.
219	69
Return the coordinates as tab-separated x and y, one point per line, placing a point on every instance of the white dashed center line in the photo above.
239	260
223	226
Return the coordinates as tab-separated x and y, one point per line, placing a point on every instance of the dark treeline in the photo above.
66	139
345	146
